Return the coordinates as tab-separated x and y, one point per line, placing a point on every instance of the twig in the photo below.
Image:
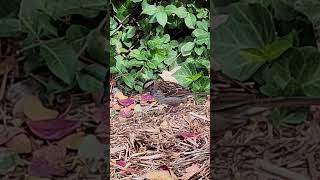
199	116
272	169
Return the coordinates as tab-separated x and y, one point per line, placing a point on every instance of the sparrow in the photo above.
169	93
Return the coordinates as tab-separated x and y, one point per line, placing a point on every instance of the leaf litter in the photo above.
150	139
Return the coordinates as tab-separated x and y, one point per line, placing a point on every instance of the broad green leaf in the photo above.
149	9
135	1
243	29
76	35
155	61
96	45
183	74
86	8
199	50
172	56
91	148
9	27
204	25
201	85
129	80
282	116
138	54
161	16
190	20
170	9
61	59
296	72
90	78
202	36
186	49
181	12
113	24
9	160
131	31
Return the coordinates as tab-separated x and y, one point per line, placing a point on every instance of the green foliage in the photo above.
55	41
152	36
276	48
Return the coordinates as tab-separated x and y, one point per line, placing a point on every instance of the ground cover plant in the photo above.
150	37
53	63
277	49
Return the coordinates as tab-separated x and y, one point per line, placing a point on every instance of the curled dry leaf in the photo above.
121	163
125	113
159	175
44	168
167	75
146	97
34	110
53	129
185	135
119	95
116	107
191	171
126	102
20	144
72	141
7	133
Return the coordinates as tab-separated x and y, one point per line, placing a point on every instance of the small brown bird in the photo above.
169	93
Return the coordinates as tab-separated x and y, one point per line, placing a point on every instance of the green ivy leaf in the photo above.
186	49
91	148
161	16
96	46
61	59
9	160
201	85
183	74
170	9
149	9
9	27
76	35
199	50
91	78
129	80
204	25
181	12
190	20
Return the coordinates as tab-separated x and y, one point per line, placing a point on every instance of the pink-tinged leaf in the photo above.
146	97
6	134
53	129
121	163
125	112
126	102
185	135
43	168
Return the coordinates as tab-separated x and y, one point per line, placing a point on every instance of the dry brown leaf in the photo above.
165	125
167	75
20	144
119	95
116	107
51	153
191	171
34	110
159	175
18	108
72	141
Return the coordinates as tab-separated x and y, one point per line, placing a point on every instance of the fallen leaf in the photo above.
21	89
126	102
34	110
121	163
72	141
53	129
7	133
125	113
18	108
9	160
165	125
159	175
91	148
137	108
54	153
185	135
119	95
191	171
167	75
116	107
146	97
131	106
99	114
20	144
43	168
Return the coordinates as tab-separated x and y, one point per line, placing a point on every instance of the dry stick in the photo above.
4	83
272	169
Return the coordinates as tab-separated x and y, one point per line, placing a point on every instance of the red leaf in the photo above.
146	97
126	102
185	135
53	129
121	163
125	113
43	168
